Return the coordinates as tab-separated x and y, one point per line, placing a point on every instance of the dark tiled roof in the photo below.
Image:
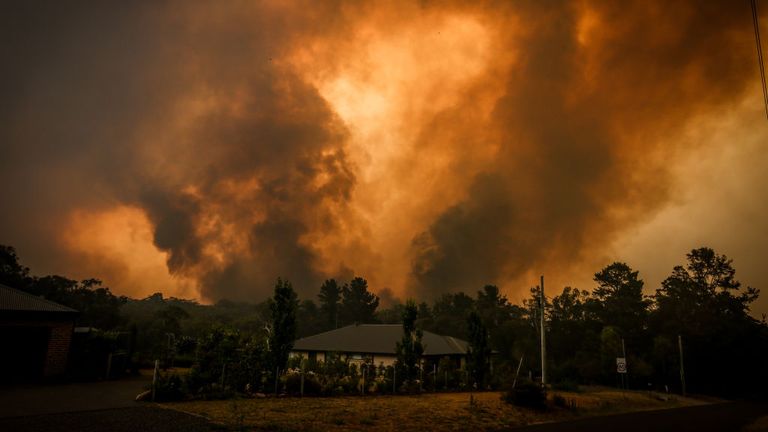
376	339
19	301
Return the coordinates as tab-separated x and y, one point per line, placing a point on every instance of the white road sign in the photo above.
621	365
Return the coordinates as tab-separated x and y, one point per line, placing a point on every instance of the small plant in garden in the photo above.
527	394
169	387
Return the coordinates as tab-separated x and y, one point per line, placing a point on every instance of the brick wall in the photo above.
60	337
58	349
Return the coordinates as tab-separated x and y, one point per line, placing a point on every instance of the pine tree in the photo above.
330	297
410	348
283	306
358	305
479	350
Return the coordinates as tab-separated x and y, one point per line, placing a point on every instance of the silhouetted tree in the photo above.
701	302
410	348
283	306
97	305
702	293
12	273
574	342
310	319
479	357
391	315
450	313
492	306
358	305
330	297
619	301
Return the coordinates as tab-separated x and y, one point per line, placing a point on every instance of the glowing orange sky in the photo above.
428	148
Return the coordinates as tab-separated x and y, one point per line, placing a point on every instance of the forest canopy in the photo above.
701	303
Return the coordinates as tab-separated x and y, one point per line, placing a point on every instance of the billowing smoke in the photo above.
429	148
184	111
586	130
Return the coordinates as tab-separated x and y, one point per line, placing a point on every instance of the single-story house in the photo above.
35	336
376	344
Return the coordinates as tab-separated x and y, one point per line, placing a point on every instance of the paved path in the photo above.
60	398
97	406
140	418
723	417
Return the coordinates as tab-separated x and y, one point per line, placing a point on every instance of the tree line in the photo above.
701	302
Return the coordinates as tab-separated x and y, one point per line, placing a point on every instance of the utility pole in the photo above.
543	338
682	369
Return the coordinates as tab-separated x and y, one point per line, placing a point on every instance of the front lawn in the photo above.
430	411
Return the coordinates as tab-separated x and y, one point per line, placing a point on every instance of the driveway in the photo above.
60	398
98	406
141	418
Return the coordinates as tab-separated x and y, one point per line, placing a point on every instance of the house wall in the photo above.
356	358
319	356
386	360
58	349
56	342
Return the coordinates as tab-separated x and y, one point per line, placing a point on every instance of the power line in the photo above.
760	55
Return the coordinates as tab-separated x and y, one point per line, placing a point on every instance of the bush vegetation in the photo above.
237	347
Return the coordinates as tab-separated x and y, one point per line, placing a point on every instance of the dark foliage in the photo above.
358	305
330	299
238	347
410	348
479	358
527	394
283	306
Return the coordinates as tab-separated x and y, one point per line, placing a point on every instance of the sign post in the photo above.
621	365
621	368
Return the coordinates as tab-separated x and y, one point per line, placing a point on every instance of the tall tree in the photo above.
569	305
479	358
493	307
283	306
449	314
700	295
574	338
330	296
619	299
703	303
391	315
12	273
410	348
358	305
310	319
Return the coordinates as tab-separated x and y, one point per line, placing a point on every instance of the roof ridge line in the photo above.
38	298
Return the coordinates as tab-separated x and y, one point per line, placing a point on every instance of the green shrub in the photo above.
312	385
559	401
169	388
527	394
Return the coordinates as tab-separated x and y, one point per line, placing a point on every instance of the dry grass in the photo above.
759	425
434	411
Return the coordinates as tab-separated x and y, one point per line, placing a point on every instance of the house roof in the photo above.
377	339
13	300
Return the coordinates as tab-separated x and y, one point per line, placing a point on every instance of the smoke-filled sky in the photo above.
202	149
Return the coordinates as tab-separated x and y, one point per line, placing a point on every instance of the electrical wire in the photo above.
760	55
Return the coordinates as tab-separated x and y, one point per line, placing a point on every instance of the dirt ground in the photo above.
433	411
